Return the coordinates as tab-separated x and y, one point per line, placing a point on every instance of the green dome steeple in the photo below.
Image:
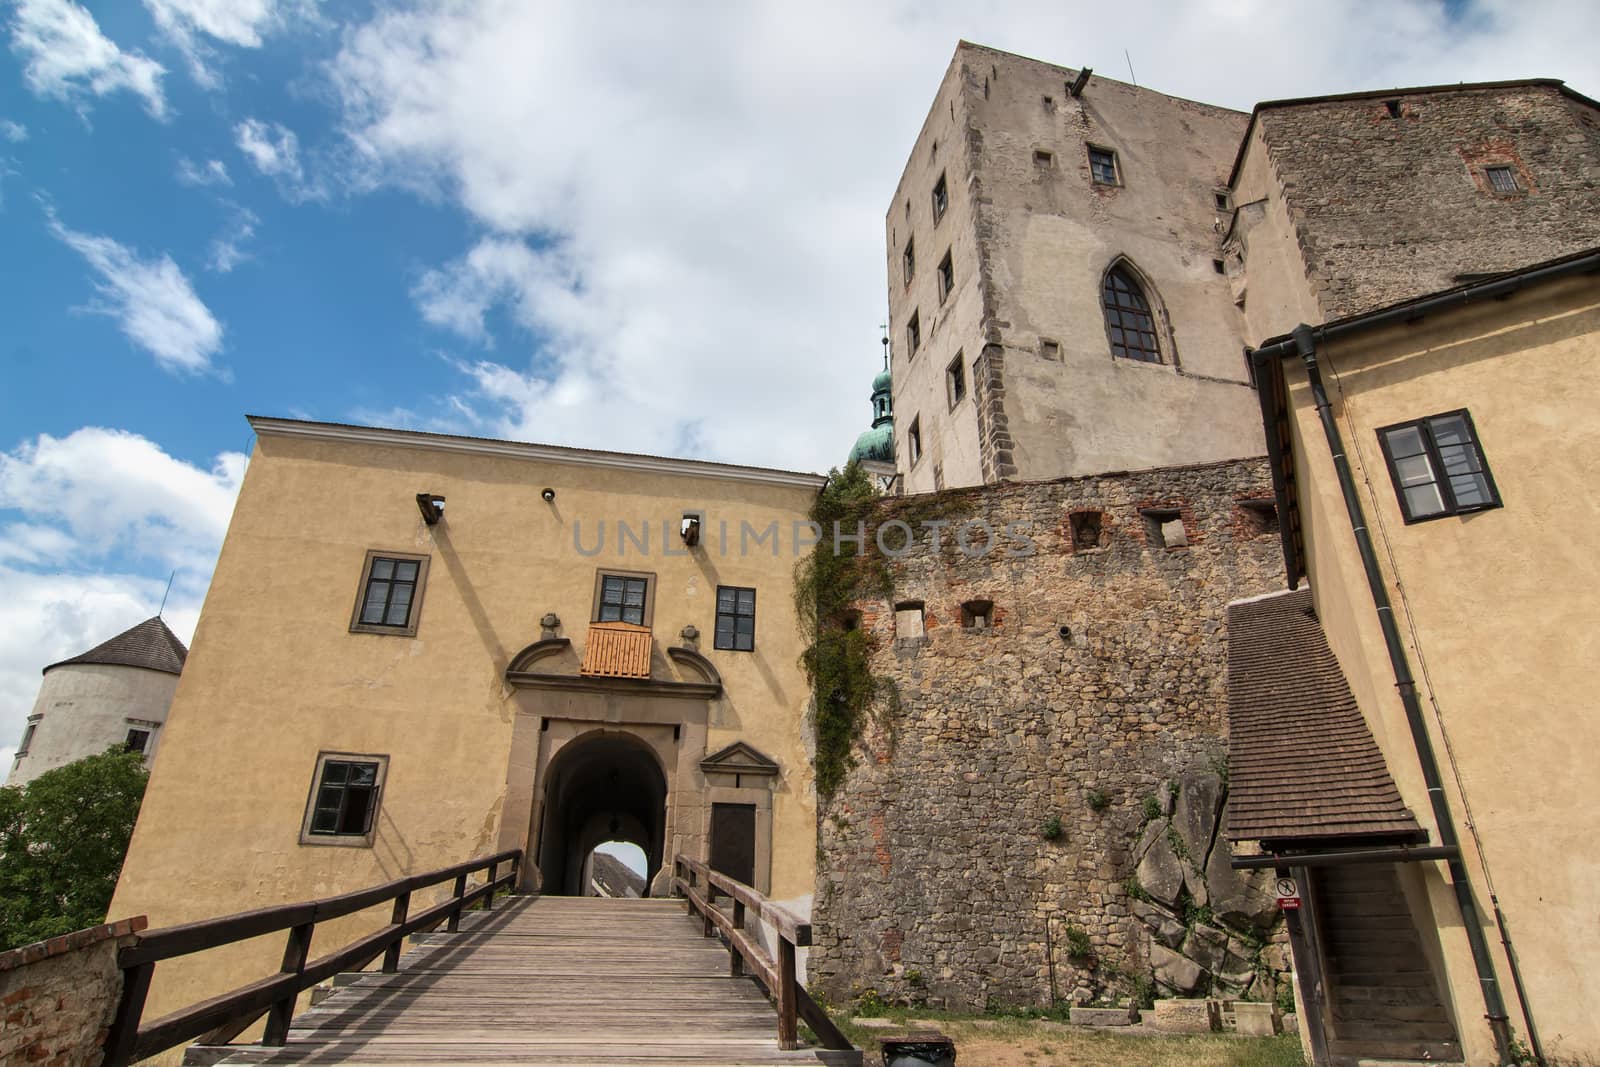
877	444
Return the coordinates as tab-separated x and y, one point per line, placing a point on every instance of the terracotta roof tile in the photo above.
1302	764
150	645
617	650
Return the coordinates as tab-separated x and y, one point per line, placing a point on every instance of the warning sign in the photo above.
1288	894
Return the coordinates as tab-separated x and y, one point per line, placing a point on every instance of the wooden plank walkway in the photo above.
543	981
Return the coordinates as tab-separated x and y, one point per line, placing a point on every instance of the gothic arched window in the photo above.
1131	326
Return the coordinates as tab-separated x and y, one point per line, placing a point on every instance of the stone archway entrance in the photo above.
605	785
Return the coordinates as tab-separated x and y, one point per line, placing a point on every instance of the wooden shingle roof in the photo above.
1302	764
150	645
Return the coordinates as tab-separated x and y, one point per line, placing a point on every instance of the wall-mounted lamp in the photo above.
549	496
431	506
689	528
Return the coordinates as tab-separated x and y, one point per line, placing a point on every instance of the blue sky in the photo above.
646	227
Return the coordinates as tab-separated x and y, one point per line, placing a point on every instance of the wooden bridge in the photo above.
536	980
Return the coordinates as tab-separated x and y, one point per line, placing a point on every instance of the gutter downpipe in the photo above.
1494	1005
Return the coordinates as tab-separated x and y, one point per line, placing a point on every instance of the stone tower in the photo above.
115	693
1057	296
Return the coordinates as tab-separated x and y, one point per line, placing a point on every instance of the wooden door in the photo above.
733	841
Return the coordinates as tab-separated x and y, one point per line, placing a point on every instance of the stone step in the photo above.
1408	1030
1383	979
1354	1050
1379	1011
1373	961
1415	995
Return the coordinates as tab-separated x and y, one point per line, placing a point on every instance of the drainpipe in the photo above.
1494	1006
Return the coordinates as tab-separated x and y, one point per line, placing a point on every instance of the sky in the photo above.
641	227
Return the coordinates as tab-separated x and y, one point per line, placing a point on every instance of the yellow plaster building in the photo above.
418	649
1465	419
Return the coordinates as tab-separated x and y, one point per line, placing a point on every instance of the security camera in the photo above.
549	495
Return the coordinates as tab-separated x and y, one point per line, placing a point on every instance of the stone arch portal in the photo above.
606	785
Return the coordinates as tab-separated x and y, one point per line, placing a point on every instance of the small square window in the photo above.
914	334
1086	527
624	596
908	259
977	615
914	440
1043	157
955	380
1437	467
1049	349
736	618
1502	179
1221	201
947	277
138	741
1164	527
1103	166
941	199
1392	108
345	793
910	621
390	598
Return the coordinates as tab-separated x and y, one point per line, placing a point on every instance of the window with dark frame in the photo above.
1502	179
914	333
955	380
908	259
941	199
623	598
1437	467
390	598
736	619
27	737
947	276
1131	326
137	741
344	800
914	440
1103	166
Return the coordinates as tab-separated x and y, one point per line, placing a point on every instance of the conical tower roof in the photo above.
150	645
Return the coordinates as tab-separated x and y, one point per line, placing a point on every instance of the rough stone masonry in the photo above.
1055	749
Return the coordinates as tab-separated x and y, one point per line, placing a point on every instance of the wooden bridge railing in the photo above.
221	1019
698	885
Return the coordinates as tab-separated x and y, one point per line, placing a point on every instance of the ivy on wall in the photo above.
837	658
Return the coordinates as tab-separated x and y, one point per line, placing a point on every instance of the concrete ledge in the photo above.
1103	1016
78	939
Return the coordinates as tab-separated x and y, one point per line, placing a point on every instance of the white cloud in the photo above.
191	24
151	300
274	150
108	501
211	172
226	250
15	132
103	491
682	215
66	57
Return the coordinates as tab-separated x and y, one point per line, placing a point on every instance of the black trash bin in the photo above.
918	1050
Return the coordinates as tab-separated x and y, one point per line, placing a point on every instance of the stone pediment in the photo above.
739	758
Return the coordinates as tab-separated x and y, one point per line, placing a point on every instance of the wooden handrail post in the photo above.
788	1031
736	961
515	867
294	961
488	898
455	913
125	1027
391	955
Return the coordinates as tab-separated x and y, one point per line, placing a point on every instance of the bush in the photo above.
1051	830
1099	800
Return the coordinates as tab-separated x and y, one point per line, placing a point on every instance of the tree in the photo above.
62	840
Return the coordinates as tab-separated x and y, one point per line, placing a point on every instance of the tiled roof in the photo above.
1302	764
617	650
150	645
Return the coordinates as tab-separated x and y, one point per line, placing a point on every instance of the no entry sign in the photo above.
1288	894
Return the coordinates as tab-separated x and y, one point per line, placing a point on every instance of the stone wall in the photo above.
1028	768
1390	197
58	997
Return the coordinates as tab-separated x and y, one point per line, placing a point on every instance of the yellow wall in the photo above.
1497	611
275	675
